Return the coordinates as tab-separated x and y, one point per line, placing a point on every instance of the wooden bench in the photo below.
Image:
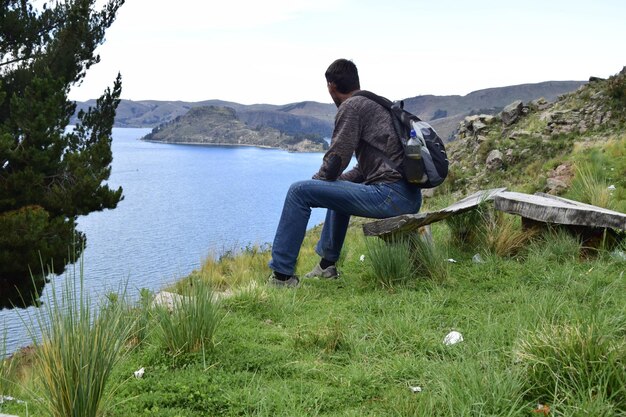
536	210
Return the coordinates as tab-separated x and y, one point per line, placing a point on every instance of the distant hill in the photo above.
309	117
219	125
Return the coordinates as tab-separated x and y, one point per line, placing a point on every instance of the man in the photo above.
373	188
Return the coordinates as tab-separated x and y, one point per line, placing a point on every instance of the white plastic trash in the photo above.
452	338
362	258
477	259
139	373
415	389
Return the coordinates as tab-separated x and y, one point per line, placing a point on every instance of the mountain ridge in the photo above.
444	112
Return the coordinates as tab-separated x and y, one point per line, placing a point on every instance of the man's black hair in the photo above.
344	75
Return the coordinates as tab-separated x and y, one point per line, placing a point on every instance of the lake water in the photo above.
182	203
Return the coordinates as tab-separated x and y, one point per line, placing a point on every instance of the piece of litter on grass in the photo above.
452	261
415	389
8	398
452	338
139	373
362	258
543	409
477	259
611	188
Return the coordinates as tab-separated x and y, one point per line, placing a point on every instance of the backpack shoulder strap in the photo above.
386	103
396	108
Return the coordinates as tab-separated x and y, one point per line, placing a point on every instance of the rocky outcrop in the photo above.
523	136
593	115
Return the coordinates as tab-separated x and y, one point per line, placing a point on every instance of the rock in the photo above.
555	186
494	160
540	104
559	179
487	119
512	112
474	124
477	126
562	170
166	299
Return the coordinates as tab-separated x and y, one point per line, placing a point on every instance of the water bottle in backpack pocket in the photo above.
413	165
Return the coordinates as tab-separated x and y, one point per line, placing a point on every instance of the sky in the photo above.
276	51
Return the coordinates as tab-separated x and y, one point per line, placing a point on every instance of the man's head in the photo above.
342	78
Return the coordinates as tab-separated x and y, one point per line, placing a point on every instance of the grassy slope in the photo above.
350	348
347	348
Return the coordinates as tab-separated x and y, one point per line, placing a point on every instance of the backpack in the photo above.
426	163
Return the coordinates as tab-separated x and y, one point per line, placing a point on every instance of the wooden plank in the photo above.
411	222
577	203
558	210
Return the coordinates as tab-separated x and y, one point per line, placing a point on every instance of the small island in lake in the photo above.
218	125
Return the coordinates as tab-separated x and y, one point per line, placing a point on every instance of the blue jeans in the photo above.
342	199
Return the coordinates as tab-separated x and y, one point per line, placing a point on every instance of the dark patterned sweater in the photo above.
364	128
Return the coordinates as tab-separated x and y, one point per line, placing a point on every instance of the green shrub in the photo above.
190	326
80	344
392	263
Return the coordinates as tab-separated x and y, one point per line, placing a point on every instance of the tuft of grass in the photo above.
190	326
429	259
464	230
329	340
392	262
7	365
232	269
489	230
589	186
578	366
142	316
556	246
79	347
503	234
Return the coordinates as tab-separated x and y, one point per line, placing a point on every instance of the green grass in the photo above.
7	366
544	326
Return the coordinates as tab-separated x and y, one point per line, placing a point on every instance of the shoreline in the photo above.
227	145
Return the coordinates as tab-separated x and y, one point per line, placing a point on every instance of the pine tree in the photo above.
49	174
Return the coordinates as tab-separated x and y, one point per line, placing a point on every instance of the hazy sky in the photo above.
276	51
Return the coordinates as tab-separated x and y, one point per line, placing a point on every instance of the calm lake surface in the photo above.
182	203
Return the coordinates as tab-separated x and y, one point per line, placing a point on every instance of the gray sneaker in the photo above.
328	273
293	282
